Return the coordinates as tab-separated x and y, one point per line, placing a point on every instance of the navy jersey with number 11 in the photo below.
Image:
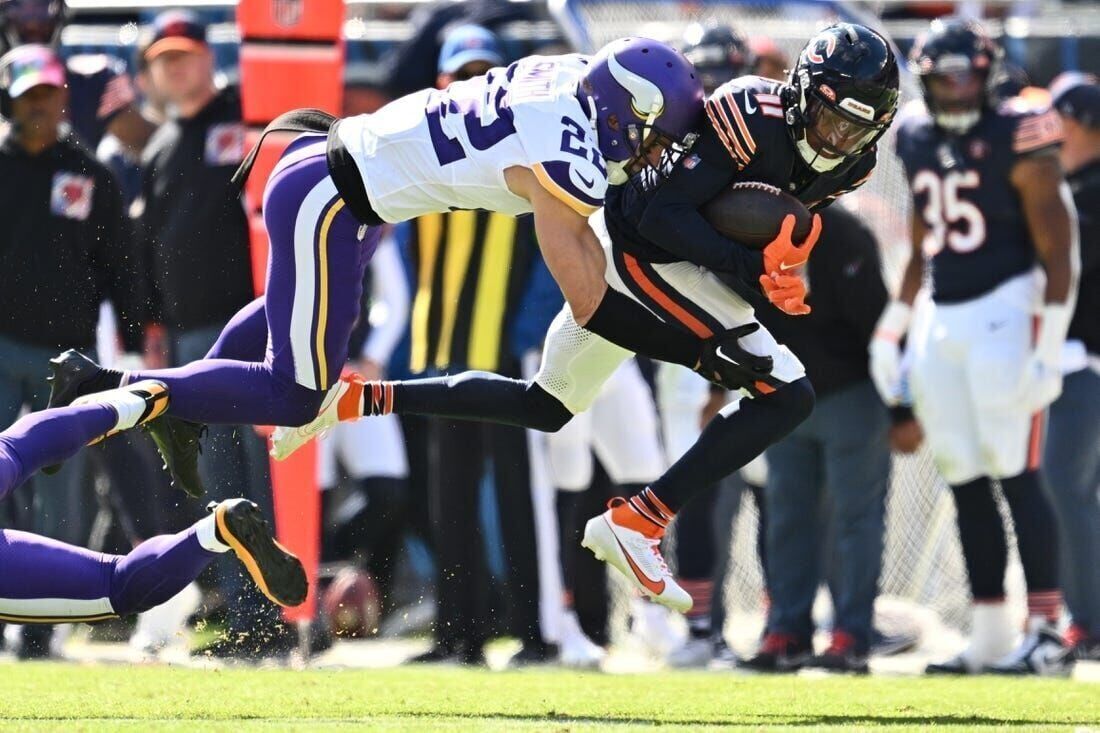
962	189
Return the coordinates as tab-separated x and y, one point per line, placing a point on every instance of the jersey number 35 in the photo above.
953	221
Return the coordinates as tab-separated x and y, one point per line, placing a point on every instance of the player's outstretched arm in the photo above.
885	347
575	259
1051	221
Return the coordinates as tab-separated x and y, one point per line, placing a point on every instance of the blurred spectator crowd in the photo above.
122	236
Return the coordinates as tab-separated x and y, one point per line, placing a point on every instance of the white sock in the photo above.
991	633
206	533
128	406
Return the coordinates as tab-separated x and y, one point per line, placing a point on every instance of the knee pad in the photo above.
547	413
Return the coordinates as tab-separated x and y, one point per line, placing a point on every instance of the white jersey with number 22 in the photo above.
442	150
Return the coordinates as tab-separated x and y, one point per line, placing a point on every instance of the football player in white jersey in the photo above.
544	135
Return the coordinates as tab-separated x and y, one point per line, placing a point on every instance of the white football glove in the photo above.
886	353
1041	383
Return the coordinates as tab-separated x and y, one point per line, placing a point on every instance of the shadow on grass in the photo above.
758	719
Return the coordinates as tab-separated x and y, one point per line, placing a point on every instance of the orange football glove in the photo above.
786	292
782	254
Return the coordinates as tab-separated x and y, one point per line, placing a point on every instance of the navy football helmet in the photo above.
30	21
640	92
841	96
957	63
718	54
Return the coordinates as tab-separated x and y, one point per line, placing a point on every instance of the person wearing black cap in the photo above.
66	249
195	231
1072	460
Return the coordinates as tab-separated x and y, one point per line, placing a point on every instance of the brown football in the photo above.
751	213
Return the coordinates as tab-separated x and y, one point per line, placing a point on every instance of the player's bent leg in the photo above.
575	365
47	581
628	534
244	337
51	436
480	396
982	535
1042	650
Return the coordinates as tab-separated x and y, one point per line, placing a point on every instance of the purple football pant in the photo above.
317	260
46	581
47	437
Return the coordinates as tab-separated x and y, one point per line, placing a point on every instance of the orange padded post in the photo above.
292	55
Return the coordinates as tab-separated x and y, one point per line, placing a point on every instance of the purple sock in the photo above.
47	437
47	581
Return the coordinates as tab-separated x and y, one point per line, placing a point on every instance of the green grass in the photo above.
51	696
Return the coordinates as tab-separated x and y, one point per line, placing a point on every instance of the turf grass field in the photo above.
56	696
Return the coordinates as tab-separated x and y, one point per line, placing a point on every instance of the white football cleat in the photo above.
576	650
1042	652
694	653
631	544
284	440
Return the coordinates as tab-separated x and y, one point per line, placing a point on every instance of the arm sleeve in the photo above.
388	285
120	266
672	221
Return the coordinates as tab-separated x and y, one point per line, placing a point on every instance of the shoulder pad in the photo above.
740	111
562	151
575	183
1033	128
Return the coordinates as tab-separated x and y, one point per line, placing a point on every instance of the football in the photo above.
751	213
352	604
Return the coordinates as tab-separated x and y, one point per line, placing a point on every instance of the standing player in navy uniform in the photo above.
989	203
814	137
101	95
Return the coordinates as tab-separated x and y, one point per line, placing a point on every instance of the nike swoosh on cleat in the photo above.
655	587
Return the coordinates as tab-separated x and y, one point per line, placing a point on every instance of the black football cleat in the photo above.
780	653
69	371
276	571
179	444
843	655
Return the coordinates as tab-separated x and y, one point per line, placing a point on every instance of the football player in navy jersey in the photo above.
101	95
814	137
989	205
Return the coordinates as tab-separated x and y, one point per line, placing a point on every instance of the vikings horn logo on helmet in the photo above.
645	97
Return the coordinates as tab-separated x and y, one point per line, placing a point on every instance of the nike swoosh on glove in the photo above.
728	365
786	292
783	254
